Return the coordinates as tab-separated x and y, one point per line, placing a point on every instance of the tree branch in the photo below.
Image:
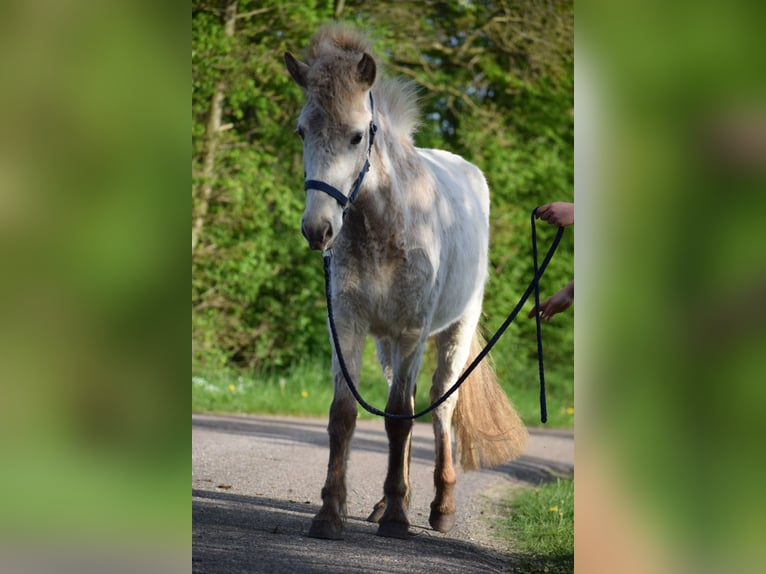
253	13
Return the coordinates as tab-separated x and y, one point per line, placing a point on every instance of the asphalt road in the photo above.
256	484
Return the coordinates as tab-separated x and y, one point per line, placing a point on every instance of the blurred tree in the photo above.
212	130
255	299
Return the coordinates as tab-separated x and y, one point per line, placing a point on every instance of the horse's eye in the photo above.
357	138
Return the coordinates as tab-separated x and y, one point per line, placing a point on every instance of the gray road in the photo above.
256	482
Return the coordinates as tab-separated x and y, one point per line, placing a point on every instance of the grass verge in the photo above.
540	525
306	390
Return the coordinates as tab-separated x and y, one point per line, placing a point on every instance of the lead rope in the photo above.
534	285
538	327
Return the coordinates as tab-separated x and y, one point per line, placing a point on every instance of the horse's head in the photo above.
337	129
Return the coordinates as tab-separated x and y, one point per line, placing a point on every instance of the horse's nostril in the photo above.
327	233
317	235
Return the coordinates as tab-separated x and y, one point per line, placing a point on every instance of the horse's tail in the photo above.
489	431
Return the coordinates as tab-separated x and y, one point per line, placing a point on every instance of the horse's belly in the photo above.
423	303
450	311
401	310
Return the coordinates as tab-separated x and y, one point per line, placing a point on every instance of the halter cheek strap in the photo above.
343	201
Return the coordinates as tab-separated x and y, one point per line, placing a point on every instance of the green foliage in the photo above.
304	389
256	294
541	525
496	84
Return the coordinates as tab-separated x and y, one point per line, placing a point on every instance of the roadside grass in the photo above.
540	525
306	389
302	391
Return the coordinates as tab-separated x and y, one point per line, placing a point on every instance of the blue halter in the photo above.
343	201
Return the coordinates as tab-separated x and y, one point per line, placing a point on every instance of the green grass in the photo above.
540	525
306	389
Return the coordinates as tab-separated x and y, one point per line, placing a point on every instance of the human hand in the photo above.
558	213
556	303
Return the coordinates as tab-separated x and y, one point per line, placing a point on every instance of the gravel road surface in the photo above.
256	484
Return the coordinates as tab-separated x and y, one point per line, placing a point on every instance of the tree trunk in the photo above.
212	133
339	8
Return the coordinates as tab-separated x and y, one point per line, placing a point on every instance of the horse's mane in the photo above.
332	56
398	99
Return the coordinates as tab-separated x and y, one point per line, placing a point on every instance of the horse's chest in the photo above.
398	293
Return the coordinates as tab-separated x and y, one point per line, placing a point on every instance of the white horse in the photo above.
409	240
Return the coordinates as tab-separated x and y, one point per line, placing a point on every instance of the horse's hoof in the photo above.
326	530
394	530
377	512
441	522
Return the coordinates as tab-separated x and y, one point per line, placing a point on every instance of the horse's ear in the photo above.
366	70
297	69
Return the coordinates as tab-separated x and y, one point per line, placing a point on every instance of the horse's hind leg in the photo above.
328	523
453	347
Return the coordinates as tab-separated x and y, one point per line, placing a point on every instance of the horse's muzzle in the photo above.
318	235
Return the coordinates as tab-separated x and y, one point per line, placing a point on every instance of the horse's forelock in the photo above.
333	55
332	86
334	98
332	38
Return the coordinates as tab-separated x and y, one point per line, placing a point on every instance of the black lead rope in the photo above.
534	285
538	328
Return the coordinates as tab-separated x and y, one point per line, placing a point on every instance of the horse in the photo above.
408	229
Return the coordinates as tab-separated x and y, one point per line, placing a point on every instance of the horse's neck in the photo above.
376	217
389	193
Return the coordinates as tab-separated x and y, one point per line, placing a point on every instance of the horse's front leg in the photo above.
329	521
396	488
385	351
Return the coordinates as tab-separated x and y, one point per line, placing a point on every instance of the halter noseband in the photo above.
343	201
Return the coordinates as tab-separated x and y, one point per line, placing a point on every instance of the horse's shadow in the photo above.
526	469
535	470
236	533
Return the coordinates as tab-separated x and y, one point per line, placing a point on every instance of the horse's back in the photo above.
461	201
455	177
462	210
